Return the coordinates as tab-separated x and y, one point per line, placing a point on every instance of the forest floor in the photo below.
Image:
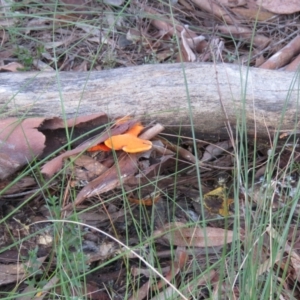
95	208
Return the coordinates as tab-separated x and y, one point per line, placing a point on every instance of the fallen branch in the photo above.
159	92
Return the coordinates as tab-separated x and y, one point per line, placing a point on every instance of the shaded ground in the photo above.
188	219
131	212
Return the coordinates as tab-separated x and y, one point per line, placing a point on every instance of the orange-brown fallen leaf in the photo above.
282	57
12	67
20	143
179	234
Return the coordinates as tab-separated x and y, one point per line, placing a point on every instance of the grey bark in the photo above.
172	94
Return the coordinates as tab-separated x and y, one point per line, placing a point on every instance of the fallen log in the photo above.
210	96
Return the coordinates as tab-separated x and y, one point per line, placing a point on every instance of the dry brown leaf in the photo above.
260	41
53	45
179	262
295	260
5	54
20	143
163	55
214	150
21	185
190	45
178	234
96	35
253	14
10	273
189	54
74	9
12	67
142	292
259	60
294	65
117	175
40	65
236	31
165	24
154	169
280	6
106	250
86	168
183	153
293	255
83	67
30	290
93	292
216	48
215	10
7	22
57	123
134	35
186	4
282	57
36	23
191	289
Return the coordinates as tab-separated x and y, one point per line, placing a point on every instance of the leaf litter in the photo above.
183	218
247	32
189	222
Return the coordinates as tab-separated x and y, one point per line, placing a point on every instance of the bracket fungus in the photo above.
128	142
